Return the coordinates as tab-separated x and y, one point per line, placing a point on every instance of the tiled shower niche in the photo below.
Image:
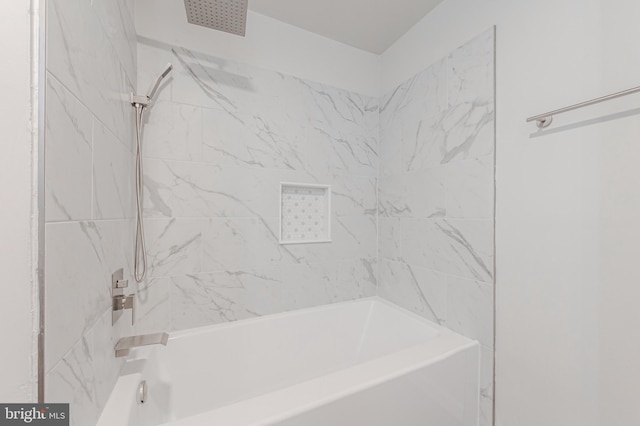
305	213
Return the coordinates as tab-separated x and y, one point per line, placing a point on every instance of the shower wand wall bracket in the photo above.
140	100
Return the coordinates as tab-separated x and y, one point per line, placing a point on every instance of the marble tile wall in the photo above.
218	141
91	69
436	197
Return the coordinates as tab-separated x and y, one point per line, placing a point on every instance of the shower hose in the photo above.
140	254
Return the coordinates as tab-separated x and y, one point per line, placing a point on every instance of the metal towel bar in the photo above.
545	120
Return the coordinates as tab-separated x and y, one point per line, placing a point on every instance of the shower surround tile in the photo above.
73	36
464	131
401	111
389	238
231	244
392	196
174	246
390	153
84	377
153	306
425	192
436	197
332	151
353	237
454	246
72	381
341	110
68	155
210	82
226	136
205	299
307	285
74	265
311	284
416	194
358	278
486	386
80	259
105	337
173	131
354	195
241	139
470	309
470	71
117	24
91	71
470	188
423	95
188	189
81	55
421	290
113	182
185	189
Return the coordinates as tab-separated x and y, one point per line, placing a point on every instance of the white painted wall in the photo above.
567	202
619	291
268	44
17	381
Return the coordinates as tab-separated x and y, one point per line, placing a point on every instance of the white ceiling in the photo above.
372	25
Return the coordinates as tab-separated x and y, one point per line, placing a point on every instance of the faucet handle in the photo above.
130	303
118	281
120	303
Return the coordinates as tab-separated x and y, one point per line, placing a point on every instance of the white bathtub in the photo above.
366	362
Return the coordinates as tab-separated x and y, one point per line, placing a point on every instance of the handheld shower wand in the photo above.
165	72
145	100
140	102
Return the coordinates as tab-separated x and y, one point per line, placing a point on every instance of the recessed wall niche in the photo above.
305	213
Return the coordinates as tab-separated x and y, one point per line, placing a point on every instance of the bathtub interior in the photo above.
205	369
250	358
397	389
444	396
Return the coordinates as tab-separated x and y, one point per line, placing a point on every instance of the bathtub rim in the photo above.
195	331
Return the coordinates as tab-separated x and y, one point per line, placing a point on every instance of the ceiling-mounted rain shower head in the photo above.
224	15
